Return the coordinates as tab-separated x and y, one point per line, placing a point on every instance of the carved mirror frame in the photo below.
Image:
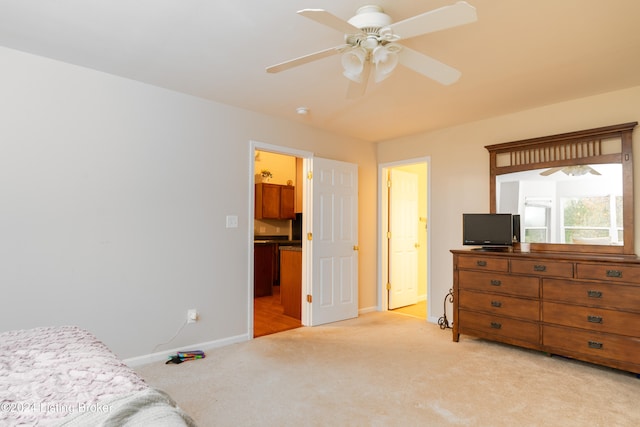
583	147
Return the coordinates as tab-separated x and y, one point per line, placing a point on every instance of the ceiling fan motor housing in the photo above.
370	19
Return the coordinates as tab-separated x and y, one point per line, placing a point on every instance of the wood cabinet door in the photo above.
275	201
287	202
267	201
291	283
264	259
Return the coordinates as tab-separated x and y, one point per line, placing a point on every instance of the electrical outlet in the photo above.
192	315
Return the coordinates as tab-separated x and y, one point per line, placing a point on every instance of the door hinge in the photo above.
388	234
356	247
309	175
309	299
388	286
309	236
389	183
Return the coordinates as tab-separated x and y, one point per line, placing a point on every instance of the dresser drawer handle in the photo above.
496	304
539	267
614	273
496	325
594	319
481	263
594	294
595	344
496	283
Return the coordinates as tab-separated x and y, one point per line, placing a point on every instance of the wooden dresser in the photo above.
586	307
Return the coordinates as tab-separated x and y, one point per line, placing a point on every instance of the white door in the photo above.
334	265
403	240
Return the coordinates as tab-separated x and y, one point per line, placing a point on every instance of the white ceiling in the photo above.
520	54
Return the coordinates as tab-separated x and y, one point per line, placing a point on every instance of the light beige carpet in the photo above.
384	369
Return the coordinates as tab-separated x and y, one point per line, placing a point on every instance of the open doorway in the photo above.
277	241
330	257
404	254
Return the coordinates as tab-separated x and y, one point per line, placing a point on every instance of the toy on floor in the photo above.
184	356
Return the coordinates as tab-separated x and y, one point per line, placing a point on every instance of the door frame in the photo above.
383	197
307	158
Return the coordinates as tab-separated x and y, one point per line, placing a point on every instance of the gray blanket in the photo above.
150	407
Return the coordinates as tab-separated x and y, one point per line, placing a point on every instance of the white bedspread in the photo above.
47	374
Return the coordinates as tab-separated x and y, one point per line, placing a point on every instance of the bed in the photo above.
65	376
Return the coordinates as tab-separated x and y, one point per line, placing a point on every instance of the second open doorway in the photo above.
404	237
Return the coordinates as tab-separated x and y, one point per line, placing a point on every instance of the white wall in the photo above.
113	197
460	165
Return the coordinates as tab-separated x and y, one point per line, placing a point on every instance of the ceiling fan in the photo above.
576	170
371	41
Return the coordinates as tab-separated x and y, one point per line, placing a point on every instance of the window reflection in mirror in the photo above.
578	204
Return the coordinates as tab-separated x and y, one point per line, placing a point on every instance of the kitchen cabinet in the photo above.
291	280
273	201
264	268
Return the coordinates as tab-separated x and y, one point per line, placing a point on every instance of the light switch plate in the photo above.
232	221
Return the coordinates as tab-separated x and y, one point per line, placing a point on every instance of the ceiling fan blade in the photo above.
306	59
427	66
550	171
356	90
325	18
435	20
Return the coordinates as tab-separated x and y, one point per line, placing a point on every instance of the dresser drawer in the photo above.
542	267
483	263
597	344
525	286
498	326
603	295
608	272
595	319
500	304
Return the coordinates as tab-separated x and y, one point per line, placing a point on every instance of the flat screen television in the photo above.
489	231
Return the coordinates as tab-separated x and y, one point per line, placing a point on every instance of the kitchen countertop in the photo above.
280	242
276	239
290	248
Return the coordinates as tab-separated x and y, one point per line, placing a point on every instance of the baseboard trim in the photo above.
163	355
432	319
367	310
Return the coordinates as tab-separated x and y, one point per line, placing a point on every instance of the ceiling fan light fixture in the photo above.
385	58
579	170
370	43
353	62
353	77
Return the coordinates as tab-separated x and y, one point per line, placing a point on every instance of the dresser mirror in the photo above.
573	191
